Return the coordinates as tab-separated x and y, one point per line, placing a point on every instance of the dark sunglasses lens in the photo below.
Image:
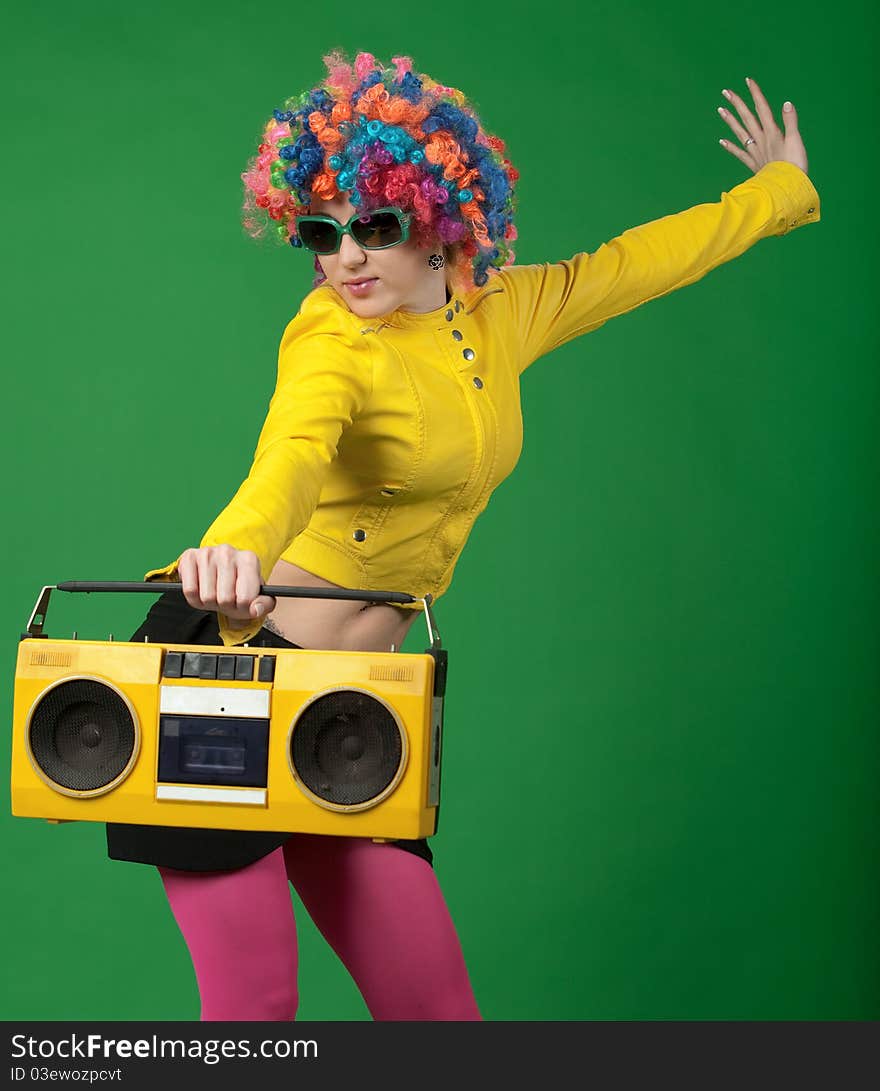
377	229
320	237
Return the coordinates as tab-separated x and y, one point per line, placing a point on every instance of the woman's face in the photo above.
400	275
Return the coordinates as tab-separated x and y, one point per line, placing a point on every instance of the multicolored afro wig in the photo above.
388	136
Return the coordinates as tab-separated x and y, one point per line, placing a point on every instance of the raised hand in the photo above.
761	139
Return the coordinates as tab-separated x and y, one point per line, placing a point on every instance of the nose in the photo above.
350	253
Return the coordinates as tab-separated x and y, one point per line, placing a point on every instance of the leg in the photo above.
241	935
382	911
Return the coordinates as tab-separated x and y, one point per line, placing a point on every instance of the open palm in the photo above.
761	138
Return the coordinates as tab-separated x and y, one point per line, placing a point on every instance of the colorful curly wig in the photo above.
388	136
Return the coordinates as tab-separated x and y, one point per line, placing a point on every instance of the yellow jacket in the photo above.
385	437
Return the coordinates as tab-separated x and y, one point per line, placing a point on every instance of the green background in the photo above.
663	632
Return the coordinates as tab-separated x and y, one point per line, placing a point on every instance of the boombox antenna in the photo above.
433	634
38	614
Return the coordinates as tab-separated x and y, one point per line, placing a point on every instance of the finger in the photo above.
749	119
790	119
742	156
247	584
262	606
762	106
738	131
207	569
226	577
188	572
794	143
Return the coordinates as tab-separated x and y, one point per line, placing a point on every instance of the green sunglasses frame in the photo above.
403	218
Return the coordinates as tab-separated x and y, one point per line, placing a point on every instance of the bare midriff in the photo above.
331	624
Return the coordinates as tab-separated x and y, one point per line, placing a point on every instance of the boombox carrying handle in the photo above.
38	615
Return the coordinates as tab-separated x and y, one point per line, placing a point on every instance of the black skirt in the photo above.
172	620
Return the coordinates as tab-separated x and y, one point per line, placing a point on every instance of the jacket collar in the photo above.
441	318
428	320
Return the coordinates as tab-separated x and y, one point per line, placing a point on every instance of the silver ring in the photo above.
749	141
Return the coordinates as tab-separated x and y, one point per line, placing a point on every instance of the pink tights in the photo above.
379	907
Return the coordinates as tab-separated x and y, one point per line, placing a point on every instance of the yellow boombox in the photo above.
245	738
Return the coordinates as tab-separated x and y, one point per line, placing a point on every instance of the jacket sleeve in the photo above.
324	382
551	303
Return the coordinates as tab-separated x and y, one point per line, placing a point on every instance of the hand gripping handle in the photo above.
156	587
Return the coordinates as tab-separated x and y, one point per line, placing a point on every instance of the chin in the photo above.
360	307
377	304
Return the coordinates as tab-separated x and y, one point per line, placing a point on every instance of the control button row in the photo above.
237	668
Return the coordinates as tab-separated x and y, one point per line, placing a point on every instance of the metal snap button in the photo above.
449	316
359	535
468	354
811	210
457	334
459	304
478	382
389	492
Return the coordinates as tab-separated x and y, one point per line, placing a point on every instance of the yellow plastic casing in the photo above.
406	808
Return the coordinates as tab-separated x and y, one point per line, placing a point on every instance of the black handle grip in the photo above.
157	588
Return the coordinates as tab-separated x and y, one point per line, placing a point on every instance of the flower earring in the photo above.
436	261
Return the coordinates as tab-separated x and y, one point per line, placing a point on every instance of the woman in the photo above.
395	415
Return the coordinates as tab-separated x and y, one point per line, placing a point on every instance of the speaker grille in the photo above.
82	735
346	748
380	672
58	658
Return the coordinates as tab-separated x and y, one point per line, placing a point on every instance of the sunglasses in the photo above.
372	230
